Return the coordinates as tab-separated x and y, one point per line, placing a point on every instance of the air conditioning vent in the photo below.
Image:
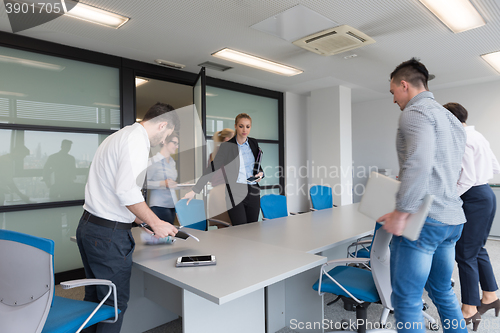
335	40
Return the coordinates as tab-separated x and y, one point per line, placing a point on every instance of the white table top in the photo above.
310	232
243	266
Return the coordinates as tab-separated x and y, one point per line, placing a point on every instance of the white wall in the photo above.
374	125
296	152
330	142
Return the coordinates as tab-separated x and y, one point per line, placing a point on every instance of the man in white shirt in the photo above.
474	266
113	201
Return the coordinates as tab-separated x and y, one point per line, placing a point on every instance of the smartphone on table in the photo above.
189	261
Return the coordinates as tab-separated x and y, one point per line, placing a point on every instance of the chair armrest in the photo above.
85	282
370	237
91	282
368	241
219	222
338	262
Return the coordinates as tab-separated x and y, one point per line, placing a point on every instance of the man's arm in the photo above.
418	134
145	214
468	174
419	138
395	222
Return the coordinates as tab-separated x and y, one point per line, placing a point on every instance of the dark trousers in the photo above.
474	265
248	209
106	254
164	213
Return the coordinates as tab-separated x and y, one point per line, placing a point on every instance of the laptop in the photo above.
380	198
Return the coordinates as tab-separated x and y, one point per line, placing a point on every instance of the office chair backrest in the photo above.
321	197
192	215
380	257
273	206
26	281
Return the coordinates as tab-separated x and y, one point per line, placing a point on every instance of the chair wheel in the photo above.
425	306
434	327
452	284
344	324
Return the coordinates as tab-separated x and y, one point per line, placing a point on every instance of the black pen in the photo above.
146	226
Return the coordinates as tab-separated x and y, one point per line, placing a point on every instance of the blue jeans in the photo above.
427	262
106	254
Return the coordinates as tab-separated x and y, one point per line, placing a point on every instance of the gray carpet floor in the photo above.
335	313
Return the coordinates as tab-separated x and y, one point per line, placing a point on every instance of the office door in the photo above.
199	99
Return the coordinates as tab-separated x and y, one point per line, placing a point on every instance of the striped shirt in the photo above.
430	144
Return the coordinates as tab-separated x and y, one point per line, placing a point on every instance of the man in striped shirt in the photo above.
430	143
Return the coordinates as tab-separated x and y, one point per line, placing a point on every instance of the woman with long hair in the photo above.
239	160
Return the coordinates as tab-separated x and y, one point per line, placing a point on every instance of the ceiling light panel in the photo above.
458	15
88	13
493	59
256	62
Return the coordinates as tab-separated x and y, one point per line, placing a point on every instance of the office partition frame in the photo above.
128	70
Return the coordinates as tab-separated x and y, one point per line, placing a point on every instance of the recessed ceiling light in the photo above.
139	81
92	14
256	62
458	15
493	59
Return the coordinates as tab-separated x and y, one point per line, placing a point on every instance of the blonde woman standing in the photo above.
238	158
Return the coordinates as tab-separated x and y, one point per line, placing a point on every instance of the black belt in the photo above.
106	223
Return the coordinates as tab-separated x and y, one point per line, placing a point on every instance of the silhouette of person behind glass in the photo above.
59	173
7	171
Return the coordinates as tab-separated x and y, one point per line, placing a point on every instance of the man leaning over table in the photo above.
113	200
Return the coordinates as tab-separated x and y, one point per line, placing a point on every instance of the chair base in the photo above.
350	304
361	316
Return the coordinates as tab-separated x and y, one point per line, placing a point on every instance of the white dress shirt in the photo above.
117	174
478	163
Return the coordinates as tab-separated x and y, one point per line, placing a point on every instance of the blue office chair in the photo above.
362	286
273	206
362	247
321	197
193	215
27	301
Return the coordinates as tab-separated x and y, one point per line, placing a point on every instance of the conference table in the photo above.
262	280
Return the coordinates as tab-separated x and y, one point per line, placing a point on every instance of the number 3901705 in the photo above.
35	8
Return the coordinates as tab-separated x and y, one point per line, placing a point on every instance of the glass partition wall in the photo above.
58	103
54	113
224	104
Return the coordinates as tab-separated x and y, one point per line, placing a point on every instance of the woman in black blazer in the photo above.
238	159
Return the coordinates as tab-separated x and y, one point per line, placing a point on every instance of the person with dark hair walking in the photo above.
430	144
474	266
